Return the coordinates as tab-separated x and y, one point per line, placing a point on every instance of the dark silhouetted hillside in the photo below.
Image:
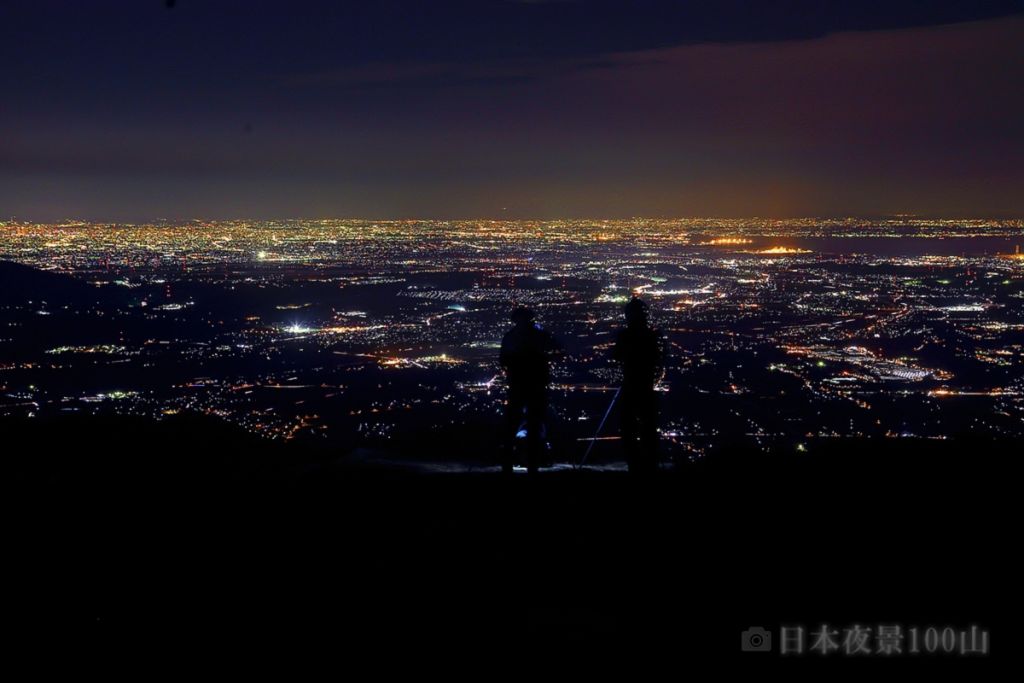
130	535
20	283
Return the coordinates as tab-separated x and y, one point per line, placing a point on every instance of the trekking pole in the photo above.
599	428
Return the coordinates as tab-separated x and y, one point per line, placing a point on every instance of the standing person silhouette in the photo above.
525	352
638	350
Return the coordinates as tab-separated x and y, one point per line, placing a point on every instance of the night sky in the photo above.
147	109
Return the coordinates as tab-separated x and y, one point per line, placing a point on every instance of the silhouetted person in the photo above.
638	349
525	352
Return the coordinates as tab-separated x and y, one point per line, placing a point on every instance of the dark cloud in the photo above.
322	34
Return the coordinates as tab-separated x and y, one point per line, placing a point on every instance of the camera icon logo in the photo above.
756	639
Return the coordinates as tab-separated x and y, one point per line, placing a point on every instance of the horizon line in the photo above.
836	217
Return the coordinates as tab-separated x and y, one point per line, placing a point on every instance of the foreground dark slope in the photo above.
188	536
20	284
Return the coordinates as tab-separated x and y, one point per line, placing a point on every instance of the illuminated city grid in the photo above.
779	334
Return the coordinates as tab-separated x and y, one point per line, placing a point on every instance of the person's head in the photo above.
635	312
522	316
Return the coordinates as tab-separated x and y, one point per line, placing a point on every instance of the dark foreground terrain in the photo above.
153	545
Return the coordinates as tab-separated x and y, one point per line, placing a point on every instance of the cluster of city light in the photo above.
325	307
782	251
728	241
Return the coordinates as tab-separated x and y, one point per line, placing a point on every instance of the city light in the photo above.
402	323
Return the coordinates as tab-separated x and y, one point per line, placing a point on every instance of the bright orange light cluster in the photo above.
725	241
784	251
